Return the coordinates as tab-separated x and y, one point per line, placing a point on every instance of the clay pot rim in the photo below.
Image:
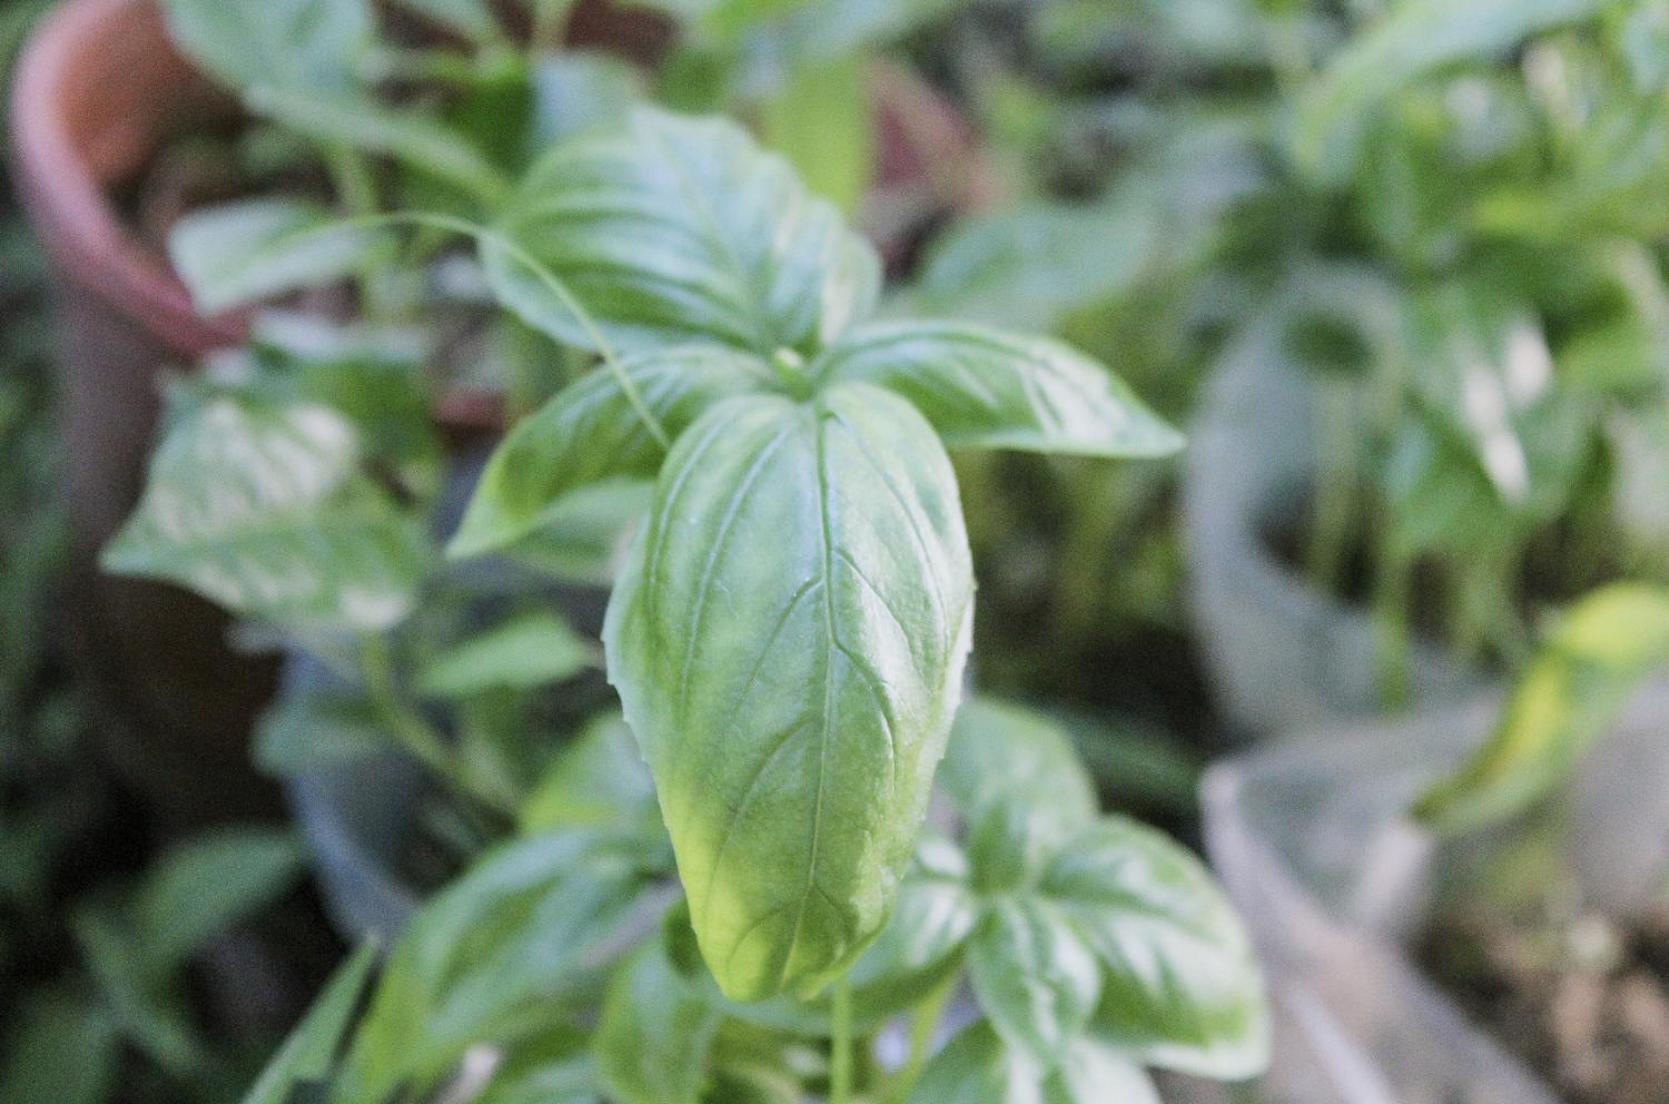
85	233
80	225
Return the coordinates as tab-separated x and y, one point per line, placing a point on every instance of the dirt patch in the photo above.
1585	1003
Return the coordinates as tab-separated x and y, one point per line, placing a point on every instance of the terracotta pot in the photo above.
99	90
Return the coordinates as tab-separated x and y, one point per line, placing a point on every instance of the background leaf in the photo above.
656	1028
254	249
260	506
199	888
58	1048
1563	702
308	1053
533	649
290	43
1035	979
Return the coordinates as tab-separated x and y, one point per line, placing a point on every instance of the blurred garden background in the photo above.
1397	267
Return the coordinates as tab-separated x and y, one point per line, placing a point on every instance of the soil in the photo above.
1585	1003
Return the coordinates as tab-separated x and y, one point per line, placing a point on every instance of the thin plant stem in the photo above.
1392	583
1336	476
840	1058
358	188
408	726
924	1025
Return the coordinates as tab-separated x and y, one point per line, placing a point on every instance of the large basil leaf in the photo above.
295	43
1562	703
493	955
1180	987
260	506
671	229
656	1029
1034	977
255	249
983	388
591	432
788	639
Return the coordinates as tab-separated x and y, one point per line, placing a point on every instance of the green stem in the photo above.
1335	502
414	733
358	188
840	1058
924	1024
1391	596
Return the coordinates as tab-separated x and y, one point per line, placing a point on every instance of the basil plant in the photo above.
722	894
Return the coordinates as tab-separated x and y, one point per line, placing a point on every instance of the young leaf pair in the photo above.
790	630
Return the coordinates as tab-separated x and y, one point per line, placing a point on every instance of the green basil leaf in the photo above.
61	1048
522	931
199	888
470	18
1035	264
307	732
976	1068
656	1029
261	507
591	433
1414	37
294	43
556	1067
670	230
149	1011
532	650
1093	1073
576	91
983	388
598	781
309	1052
918	950
1034	977
821	122
1000	751
255	249
788	639
1180	985
346	119
1564	701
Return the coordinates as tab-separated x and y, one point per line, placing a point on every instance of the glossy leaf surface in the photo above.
1180	986
788	640
985	388
671	229
591	433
